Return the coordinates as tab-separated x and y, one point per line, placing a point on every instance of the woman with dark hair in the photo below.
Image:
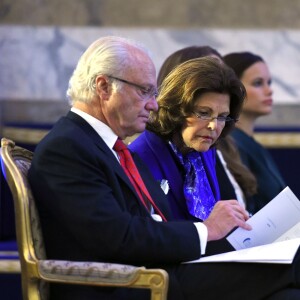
255	75
235	180
199	101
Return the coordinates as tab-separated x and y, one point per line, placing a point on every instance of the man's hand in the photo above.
225	216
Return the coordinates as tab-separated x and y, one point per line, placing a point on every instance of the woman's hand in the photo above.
225	216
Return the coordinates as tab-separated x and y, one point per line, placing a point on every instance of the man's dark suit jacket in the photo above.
90	211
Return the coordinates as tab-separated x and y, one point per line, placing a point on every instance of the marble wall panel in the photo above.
36	62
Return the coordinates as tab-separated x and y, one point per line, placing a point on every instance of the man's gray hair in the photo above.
106	56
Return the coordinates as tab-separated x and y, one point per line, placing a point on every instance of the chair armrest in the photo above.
92	273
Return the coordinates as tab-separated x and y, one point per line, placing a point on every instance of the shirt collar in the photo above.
101	128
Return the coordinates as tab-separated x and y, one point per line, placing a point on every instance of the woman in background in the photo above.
255	75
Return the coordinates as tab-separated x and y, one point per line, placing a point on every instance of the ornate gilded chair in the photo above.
36	270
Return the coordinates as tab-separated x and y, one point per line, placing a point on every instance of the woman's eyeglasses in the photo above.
206	117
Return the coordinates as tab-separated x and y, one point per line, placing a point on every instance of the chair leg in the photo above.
31	290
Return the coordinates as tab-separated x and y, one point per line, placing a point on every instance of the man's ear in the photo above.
103	87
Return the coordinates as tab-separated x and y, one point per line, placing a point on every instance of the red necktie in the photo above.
133	174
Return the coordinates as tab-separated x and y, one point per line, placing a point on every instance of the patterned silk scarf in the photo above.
197	191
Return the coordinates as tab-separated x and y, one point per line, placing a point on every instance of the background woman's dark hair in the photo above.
241	61
242	174
183	55
182	87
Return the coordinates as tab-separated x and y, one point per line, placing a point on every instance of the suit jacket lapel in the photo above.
94	136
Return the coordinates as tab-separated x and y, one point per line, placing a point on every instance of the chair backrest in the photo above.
15	162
